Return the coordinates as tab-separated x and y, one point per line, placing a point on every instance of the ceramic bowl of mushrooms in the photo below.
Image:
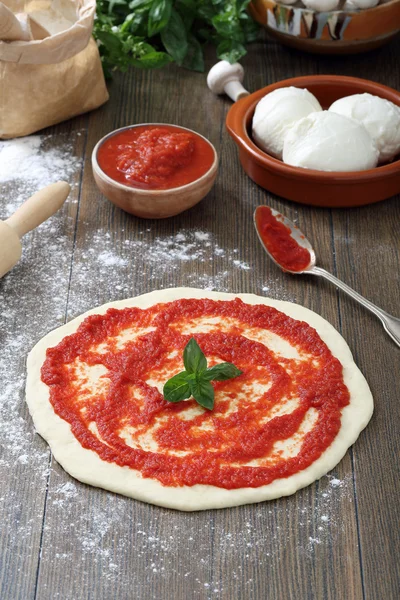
329	26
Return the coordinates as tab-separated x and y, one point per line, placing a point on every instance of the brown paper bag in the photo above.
43	82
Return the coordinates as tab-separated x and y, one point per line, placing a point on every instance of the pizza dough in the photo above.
87	465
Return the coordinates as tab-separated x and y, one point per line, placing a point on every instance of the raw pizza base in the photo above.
86	466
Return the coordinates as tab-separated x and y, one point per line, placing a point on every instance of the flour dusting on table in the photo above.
162	538
29	164
26	165
104	265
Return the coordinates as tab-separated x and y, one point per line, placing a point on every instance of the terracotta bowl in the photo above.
334	32
153	204
306	186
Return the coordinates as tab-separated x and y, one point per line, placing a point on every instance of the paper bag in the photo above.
45	81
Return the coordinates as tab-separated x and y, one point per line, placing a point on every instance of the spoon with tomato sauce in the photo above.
292	252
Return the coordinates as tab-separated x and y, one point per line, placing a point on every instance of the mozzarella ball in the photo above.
380	118
276	113
326	141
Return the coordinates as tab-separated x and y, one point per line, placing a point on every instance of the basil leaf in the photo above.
195	380
159	14
140	4
228	27
251	29
230	50
152	60
221	372
203	393
110	41
187	10
135	23
206	11
114	3
193	358
123	27
173	36
241	5
188	5
177	388
194	59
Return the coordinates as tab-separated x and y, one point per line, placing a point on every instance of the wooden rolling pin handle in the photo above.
39	207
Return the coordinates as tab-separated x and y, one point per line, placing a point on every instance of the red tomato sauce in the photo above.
279	242
155	157
215	454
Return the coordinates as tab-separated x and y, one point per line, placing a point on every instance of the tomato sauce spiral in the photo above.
122	416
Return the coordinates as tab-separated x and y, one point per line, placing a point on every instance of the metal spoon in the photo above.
390	323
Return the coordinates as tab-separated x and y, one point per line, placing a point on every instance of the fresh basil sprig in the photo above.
149	34
195	379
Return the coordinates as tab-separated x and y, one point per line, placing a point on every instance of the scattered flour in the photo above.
165	542
336	482
29	164
161	259
26	165
241	265
108	259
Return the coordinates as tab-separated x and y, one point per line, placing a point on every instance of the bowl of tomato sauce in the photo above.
154	170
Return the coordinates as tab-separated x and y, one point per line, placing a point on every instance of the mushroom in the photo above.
224	77
321	5
360	4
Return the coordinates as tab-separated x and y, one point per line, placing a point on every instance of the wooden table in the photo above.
337	539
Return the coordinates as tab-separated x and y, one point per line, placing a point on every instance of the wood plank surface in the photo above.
338	538
33	300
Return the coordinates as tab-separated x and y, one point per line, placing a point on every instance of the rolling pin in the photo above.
37	209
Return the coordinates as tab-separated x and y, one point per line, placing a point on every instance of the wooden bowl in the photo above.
333	32
307	186
153	204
